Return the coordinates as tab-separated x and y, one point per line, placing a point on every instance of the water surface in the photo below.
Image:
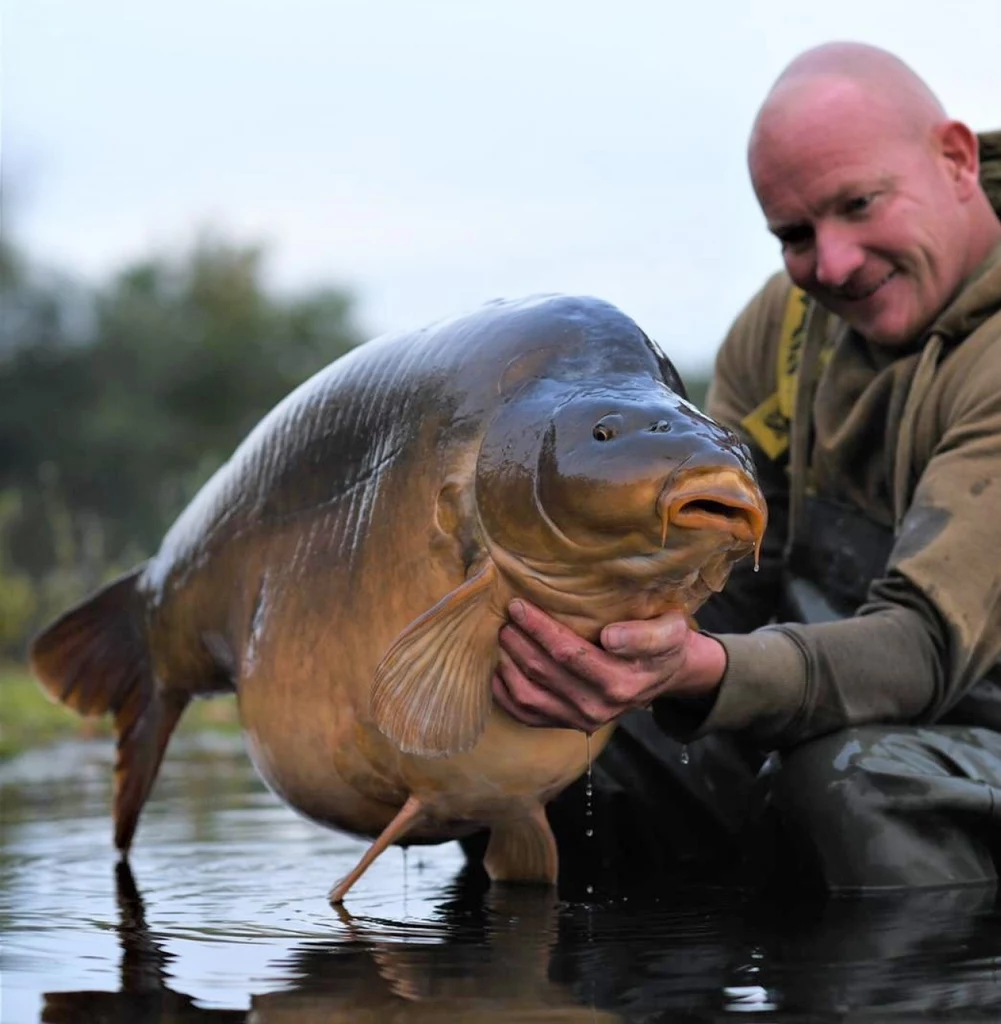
223	917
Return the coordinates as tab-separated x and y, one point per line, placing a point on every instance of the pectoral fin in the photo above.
523	850
431	694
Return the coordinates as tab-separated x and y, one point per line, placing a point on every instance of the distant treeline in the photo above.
118	400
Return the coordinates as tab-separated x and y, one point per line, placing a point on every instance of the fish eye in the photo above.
603	431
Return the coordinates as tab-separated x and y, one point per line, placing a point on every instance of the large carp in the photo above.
348	570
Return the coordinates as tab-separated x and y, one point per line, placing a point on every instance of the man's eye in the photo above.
859	204
794	238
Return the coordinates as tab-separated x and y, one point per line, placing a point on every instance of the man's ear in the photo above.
960	151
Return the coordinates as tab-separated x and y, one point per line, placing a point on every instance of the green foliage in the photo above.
697	387
117	402
28	718
18	599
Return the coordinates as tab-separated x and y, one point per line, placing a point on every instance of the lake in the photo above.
224	917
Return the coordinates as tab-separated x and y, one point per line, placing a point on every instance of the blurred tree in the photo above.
116	403
18	599
697	385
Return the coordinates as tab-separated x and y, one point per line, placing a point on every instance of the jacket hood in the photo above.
990	167
980	297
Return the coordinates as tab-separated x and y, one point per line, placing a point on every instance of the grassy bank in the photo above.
29	719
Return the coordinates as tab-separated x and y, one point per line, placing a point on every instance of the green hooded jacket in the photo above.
912	442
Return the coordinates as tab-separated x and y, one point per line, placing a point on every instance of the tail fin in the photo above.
94	658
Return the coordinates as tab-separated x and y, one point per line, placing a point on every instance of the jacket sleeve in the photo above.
931	627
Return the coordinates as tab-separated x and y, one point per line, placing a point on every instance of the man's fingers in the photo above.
530	659
650	638
582	677
553	642
503	699
643	638
549	676
529	702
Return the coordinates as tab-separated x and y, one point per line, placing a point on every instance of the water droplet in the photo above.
590	889
757	568
588	800
684	755
589	785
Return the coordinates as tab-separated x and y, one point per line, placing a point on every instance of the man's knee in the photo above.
877	807
826	781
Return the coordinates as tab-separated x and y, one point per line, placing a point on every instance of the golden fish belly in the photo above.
337	771
511	769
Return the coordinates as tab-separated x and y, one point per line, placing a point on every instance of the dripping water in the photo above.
588	794
589	806
406	850
684	754
589	833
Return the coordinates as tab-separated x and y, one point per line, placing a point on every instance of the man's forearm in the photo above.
784	684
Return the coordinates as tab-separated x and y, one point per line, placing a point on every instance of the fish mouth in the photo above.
724	501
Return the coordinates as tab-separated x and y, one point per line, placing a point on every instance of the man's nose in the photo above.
838	256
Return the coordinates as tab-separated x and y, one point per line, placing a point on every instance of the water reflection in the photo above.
515	954
486	959
711	954
229	923
144	996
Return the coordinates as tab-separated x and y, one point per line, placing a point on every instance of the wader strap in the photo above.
781	424
831	553
838	552
769	423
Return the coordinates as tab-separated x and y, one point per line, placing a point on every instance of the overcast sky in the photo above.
433	154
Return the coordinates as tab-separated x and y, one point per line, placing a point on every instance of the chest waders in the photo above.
876	806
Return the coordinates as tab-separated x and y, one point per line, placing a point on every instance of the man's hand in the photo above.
548	676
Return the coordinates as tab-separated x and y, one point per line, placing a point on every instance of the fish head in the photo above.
630	473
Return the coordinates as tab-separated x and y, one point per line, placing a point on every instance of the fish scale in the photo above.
348	570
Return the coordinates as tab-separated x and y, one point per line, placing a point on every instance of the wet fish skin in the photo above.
347	572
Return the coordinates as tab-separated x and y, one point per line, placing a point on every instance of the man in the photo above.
867	650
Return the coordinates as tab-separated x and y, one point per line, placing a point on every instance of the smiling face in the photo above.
870	207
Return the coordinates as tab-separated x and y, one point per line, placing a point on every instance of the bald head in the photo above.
870	82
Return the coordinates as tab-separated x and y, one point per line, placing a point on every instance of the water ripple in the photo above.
223	917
